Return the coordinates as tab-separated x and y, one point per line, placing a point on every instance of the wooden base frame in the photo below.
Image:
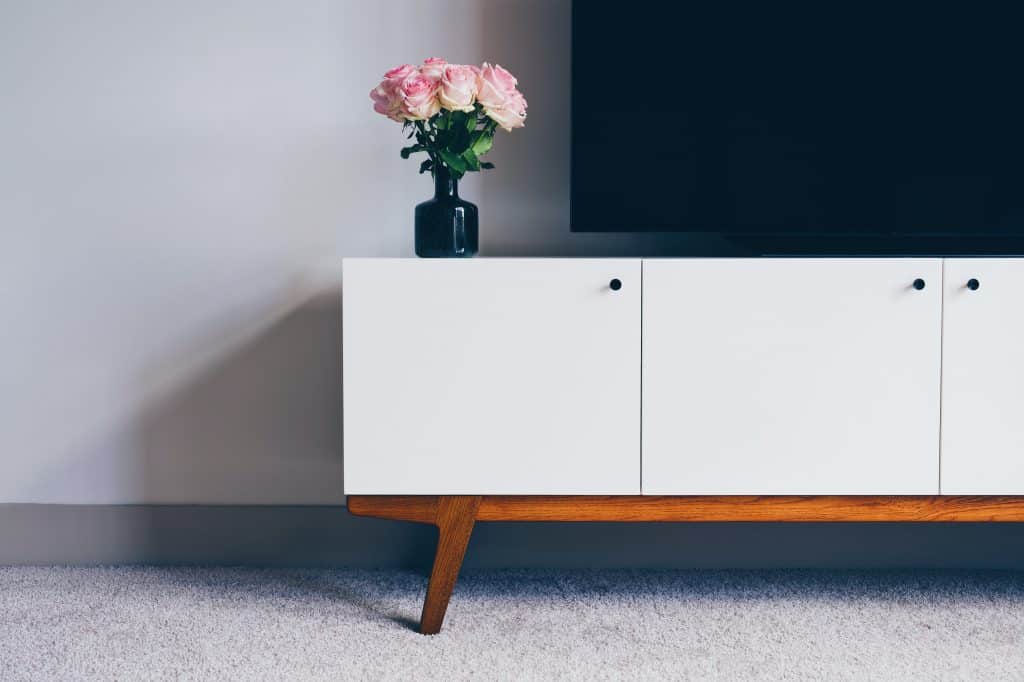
455	515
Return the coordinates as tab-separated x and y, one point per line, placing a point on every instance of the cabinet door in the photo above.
492	376
791	376
983	378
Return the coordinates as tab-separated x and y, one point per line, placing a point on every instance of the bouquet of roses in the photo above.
452	110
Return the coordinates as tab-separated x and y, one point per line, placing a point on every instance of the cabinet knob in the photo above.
919	284
973	284
615	284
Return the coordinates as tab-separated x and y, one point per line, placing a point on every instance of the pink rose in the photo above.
511	114
502	102
419	96
387	99
495	85
387	102
399	74
458	87
433	67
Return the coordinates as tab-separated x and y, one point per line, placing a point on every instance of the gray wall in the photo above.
178	184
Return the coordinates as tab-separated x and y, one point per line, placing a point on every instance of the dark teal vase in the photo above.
446	226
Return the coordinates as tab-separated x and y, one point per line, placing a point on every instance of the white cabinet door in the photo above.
791	376
491	376
983	377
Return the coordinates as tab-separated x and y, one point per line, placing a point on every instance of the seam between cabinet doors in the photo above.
641	376
942	358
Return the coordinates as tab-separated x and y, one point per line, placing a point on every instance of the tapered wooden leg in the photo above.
454	518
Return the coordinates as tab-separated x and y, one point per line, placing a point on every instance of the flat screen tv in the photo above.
811	120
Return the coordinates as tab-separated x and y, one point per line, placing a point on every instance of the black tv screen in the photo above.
798	118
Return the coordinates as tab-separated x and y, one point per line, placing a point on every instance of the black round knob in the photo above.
615	284
973	284
919	284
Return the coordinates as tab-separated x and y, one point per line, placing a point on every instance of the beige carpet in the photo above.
247	624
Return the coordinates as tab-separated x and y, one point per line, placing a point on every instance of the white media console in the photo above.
681	389
696	376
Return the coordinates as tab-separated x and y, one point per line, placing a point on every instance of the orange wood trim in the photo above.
705	508
421	508
751	508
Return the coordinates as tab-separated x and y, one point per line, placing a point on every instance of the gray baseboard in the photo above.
330	536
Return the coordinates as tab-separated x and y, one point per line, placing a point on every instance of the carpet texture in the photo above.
251	624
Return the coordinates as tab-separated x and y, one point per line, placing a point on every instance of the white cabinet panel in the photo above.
791	376
491	376
983	378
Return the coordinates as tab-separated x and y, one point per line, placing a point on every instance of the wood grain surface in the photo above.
455	518
639	508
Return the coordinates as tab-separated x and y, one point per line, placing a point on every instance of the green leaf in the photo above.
406	151
440	122
460	140
453	161
472	163
486	165
483	143
471	122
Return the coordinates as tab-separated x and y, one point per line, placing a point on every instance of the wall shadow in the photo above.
260	430
261	424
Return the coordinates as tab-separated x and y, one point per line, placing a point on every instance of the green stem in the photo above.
430	142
